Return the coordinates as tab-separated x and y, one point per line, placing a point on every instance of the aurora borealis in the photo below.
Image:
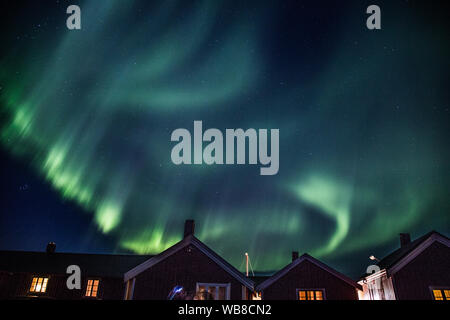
363	119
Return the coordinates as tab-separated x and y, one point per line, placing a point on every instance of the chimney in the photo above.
405	239
294	255
51	247
189	227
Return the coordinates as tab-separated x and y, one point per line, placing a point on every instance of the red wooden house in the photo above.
189	264
26	275
418	270
307	278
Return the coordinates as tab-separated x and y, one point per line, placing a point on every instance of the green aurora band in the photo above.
362	156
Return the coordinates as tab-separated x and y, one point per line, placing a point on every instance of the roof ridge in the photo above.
313	260
399	253
190	240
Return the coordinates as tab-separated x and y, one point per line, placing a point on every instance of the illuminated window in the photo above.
319	295
302	295
92	288
310	294
39	285
213	291
441	294
256	296
447	294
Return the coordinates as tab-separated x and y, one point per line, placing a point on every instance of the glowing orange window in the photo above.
447	294
302	295
39	284
310	295
438	295
319	295
92	288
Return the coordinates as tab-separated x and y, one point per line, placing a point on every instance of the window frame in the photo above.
297	293
37	277
86	288
440	288
227	287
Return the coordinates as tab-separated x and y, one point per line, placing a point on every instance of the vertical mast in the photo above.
246	264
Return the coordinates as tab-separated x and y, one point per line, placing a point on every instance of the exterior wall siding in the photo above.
430	268
6	285
186	268
307	275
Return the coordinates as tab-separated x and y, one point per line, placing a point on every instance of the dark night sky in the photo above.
86	118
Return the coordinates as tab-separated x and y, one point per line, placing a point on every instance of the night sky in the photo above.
86	118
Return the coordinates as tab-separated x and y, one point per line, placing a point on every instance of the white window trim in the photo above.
129	289
324	297
227	287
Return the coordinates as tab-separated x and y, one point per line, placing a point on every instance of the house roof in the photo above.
104	265
293	264
190	240
404	254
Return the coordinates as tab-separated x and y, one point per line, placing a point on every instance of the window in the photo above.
39	285
213	291
256	296
92	288
441	294
310	294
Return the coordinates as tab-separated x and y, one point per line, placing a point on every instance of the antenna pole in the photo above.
246	264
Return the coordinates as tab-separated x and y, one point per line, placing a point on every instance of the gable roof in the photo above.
306	257
102	265
190	240
400	257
